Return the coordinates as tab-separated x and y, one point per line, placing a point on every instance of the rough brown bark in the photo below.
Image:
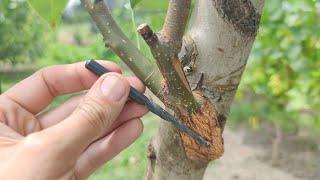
214	55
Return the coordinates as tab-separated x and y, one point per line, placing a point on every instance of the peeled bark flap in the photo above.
241	14
206	123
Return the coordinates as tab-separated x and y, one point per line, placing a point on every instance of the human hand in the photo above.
74	139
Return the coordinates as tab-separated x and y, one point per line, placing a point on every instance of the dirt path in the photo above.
245	159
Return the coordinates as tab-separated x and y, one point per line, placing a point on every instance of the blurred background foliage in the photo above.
20	35
283	71
280	85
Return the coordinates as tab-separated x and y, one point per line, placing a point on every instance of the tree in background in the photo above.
20	35
283	71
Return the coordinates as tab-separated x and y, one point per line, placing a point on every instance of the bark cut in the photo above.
214	55
206	123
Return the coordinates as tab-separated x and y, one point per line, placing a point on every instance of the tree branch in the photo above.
165	47
177	90
114	38
176	19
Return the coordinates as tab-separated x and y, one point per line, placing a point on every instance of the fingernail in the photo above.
113	88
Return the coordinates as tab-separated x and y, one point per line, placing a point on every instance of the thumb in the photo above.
94	115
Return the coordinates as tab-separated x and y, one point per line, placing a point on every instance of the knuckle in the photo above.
3	116
17	118
8	109
43	74
79	174
43	70
92	162
139	126
97	115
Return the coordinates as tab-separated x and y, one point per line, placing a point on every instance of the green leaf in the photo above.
133	3
49	10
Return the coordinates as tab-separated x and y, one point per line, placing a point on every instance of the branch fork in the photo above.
165	51
190	106
165	77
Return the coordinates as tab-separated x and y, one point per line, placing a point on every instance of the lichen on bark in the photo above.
241	14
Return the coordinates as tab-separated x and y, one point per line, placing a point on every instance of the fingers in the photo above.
58	114
17	118
38	90
136	83
130	111
108	147
95	113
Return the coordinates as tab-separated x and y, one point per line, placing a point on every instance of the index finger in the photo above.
37	91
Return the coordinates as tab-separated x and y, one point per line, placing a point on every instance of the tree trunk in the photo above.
214	55
198	84
275	153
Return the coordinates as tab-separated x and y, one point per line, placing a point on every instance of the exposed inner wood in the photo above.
206	123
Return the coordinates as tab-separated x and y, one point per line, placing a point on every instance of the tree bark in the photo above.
214	55
197	75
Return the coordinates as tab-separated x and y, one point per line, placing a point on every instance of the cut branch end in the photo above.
147	34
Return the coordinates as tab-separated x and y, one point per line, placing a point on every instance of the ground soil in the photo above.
248	157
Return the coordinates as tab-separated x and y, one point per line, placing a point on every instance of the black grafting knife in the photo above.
140	98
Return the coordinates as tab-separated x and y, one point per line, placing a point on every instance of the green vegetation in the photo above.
21	34
280	84
284	67
75	40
